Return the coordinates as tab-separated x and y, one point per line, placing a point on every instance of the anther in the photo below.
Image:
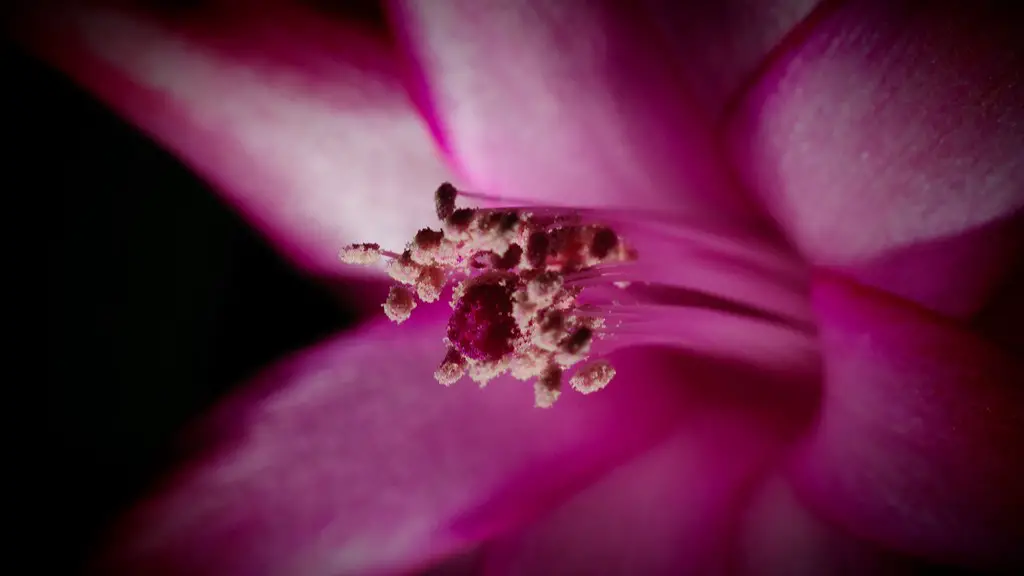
400	304
452	368
403	269
364	254
548	387
458	222
604	241
537	249
425	246
592	377
444	200
430	283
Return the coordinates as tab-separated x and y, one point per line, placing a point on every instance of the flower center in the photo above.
539	291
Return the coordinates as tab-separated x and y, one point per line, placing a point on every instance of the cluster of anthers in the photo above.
518	276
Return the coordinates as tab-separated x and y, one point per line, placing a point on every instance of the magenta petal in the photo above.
779	535
674	510
301	122
565	104
889	145
921	431
719	45
350	459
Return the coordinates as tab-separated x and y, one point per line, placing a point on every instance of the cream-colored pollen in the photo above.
592	377
523	310
547	340
543	289
404	270
529	363
400	304
484	372
362	254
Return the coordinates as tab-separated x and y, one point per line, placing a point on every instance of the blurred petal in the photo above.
301	122
921	431
563	102
674	510
718	45
779	535
343	460
889	143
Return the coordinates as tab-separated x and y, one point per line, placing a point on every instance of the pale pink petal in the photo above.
719	46
921	430
350	459
563	102
888	144
674	510
779	535
300	121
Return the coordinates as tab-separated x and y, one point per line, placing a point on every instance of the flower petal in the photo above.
888	145
563	103
350	459
719	45
672	511
921	430
301	122
779	535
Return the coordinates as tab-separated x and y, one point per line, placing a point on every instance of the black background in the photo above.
158	301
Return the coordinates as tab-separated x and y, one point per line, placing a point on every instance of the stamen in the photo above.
364	254
542	290
593	377
400	304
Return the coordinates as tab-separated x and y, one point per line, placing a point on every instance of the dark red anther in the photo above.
552	321
427	238
575	342
482	326
537	249
444	200
461	218
510	259
604	241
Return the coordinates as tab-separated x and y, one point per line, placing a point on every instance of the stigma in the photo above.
518	278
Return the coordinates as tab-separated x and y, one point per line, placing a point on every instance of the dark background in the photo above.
158	300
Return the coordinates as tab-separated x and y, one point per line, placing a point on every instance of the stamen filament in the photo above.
750	340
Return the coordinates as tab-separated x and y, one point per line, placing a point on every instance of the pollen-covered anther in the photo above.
452	368
592	377
444	200
363	254
457	225
548	387
550	330
543	289
430	283
404	270
512	257
399	304
575	347
426	246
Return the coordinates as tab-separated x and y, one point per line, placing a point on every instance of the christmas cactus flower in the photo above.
776	247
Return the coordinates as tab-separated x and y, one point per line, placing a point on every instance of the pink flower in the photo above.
881	139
